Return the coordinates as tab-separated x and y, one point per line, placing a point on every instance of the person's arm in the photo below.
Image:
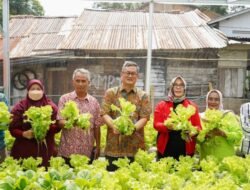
109	122
60	122
54	128
98	122
16	125
140	123
105	110
144	114
97	134
159	119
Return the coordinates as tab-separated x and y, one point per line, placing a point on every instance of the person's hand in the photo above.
115	131
28	134
170	126
188	136
216	132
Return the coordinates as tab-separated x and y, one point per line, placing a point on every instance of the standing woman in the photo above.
169	142
25	145
221	141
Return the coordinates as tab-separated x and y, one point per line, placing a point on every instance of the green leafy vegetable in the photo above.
212	143
124	123
179	121
40	119
72	115
5	116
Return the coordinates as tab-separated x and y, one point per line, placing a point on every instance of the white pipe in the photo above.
6	59
149	53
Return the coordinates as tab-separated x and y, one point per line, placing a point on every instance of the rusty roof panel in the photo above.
37	34
96	30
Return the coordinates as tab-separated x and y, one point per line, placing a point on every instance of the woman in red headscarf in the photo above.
169	142
25	145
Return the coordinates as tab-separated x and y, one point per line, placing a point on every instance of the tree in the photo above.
118	6
23	7
221	10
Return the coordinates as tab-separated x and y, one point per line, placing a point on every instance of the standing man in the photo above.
2	144
117	145
76	140
245	125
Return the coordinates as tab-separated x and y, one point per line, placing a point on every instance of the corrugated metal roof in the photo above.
31	35
96	30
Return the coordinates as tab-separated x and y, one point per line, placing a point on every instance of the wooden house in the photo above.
50	48
234	61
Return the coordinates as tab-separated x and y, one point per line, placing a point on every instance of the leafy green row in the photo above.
145	173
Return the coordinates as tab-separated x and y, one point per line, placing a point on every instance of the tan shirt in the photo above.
121	145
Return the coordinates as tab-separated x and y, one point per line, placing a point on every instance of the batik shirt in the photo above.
122	145
245	124
77	140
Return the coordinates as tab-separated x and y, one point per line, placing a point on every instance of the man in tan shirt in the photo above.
117	145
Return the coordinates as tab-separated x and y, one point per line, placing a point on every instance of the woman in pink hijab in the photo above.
25	145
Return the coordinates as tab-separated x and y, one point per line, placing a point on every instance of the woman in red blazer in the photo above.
169	142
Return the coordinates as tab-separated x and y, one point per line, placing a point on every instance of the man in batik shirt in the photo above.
76	140
245	124
117	145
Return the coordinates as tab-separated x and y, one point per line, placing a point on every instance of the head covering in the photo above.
220	96
171	96
35	81
30	102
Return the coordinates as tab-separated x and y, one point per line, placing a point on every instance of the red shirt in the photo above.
161	113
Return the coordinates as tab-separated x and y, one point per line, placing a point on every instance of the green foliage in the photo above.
23	7
5	116
124	123
40	119
179	121
8	140
72	115
221	10
144	173
31	163
224	121
104	129
77	160
221	133
150	134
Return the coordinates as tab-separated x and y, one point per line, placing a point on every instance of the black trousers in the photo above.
175	148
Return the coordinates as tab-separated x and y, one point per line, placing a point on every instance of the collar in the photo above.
123	89
74	95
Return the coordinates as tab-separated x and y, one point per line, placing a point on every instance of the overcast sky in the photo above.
64	7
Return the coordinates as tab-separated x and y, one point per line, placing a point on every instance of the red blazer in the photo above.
161	113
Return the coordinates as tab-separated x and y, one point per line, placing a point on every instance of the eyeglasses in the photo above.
130	73
178	85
